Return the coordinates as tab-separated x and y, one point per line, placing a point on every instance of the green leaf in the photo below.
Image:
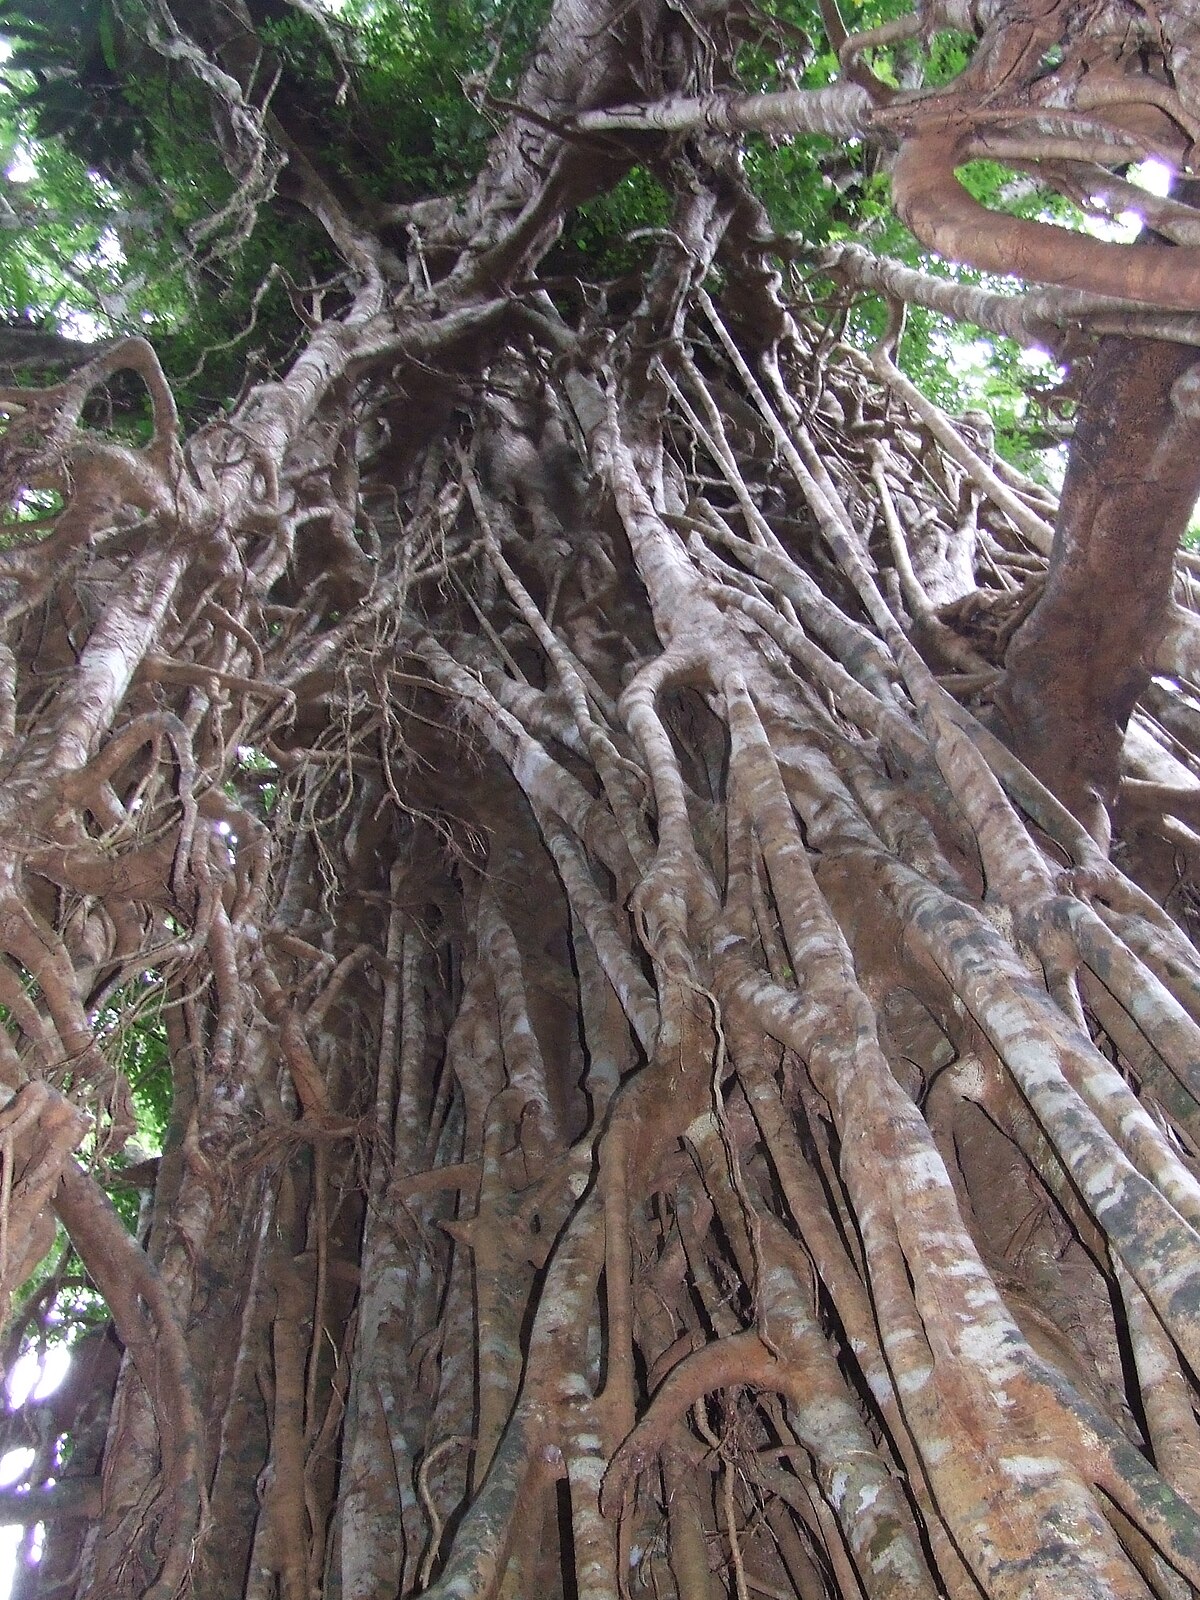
108	38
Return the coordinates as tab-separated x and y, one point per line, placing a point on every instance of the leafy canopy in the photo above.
113	180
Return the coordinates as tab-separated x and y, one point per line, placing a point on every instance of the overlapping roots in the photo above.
662	1100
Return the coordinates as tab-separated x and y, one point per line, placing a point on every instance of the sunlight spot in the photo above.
82	325
36	1377
1041	364
10	1543
971	360
108	248
1121	229
14	1465
20	169
54	1369
1152	175
1054	465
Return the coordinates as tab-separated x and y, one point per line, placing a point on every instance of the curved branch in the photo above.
742	1358
929	198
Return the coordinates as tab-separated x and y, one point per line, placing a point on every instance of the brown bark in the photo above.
1075	669
934	204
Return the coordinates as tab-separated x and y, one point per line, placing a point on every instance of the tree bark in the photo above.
1076	668
662	1099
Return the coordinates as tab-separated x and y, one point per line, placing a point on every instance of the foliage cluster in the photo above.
113	175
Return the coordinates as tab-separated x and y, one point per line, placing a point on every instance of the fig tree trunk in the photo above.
664	1100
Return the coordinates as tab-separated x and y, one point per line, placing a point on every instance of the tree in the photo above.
577	777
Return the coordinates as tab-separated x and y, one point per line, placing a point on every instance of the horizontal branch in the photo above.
1041	317
843	110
